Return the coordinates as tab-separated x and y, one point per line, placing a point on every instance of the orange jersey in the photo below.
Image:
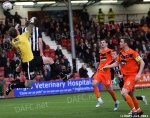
129	61
105	58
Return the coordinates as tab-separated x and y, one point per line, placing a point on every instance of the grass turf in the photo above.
79	105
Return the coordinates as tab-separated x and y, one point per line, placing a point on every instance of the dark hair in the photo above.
27	23
104	40
115	51
127	40
13	32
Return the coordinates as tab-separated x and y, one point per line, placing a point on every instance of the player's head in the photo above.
13	32
27	23
124	42
114	54
103	43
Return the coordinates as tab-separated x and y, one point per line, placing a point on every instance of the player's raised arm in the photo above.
30	25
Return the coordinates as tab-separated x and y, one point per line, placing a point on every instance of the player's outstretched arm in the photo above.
31	24
111	65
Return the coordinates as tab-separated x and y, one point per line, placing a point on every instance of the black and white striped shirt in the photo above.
34	38
117	70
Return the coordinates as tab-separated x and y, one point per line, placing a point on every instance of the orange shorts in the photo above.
104	77
129	82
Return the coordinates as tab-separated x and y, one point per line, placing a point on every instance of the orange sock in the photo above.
97	92
136	104
130	103
113	95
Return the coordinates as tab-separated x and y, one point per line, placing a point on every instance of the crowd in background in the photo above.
87	34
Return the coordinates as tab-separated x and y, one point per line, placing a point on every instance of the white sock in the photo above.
117	101
99	99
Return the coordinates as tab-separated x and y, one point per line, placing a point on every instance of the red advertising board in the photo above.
144	81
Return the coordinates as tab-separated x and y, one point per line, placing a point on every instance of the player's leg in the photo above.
135	101
143	98
16	83
97	92
106	80
95	83
129	83
121	83
113	95
56	69
125	94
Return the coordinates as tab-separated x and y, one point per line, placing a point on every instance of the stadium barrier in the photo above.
55	87
71	86
144	81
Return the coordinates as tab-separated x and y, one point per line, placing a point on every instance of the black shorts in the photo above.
30	67
36	53
121	83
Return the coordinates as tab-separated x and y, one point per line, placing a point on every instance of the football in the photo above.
7	6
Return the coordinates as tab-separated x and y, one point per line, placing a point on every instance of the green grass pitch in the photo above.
79	105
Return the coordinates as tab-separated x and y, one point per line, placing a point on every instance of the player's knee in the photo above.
50	60
108	88
47	60
124	93
94	83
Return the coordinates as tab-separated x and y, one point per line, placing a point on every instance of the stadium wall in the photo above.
118	9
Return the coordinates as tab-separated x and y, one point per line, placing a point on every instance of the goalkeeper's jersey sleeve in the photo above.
23	46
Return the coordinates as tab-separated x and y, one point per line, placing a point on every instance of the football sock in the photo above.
18	85
130	103
139	98
113	95
97	92
135	101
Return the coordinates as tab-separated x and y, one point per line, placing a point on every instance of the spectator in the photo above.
62	62
41	79
144	46
100	17
147	35
52	31
2	82
77	48
111	16
82	48
87	56
94	60
58	52
66	61
143	37
139	46
85	16
147	61
8	70
14	62
17	18
115	41
143	20
10	54
58	35
64	69
83	72
3	30
47	74
145	28
3	60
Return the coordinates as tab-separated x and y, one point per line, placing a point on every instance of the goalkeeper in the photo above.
28	61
